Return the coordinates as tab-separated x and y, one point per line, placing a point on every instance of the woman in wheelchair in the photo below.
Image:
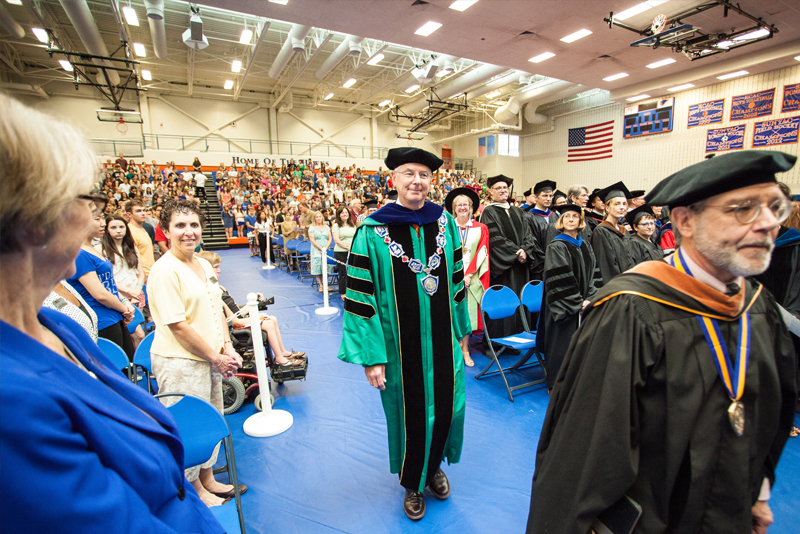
269	323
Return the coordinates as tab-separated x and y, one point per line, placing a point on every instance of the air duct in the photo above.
355	46
515	103
296	38
12	26
81	18
344	48
457	86
23	88
495	85
158	33
537	118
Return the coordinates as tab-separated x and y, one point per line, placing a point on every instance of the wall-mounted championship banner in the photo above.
776	132
791	98
752	105
706	113
731	138
650	118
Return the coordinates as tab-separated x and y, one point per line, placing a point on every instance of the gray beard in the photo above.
727	256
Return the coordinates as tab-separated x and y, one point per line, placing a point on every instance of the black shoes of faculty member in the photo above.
414	505
440	486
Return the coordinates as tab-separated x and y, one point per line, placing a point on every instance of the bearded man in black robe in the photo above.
678	391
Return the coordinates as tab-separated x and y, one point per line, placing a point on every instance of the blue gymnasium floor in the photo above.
330	471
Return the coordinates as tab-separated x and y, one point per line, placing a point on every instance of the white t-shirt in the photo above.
200	179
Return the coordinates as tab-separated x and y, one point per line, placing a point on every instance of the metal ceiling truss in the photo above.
10	56
690	41
437	110
309	58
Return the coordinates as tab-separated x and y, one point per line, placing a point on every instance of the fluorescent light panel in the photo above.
236	66
139	49
763	32
247	35
615	77
330	95
638	97
146	75
15	2
494	94
412	88
661	63
428	28
385	102
41	34
228	84
349	83
130	16
541	57
281	2
66	65
797	58
681	87
377	58
461	5
732	75
638	8
575	36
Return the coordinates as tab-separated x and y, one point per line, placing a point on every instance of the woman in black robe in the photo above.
643	222
570	277
611	243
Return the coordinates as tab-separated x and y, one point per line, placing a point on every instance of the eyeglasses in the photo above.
409	175
499	189
647	224
748	210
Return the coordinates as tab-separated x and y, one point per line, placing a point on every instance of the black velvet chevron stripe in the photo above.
361	286
460	295
359	261
359	308
458	255
561	293
556	271
458	276
552	285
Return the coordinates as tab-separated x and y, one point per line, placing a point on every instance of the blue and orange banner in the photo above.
791	98
706	113
720	139
776	132
752	105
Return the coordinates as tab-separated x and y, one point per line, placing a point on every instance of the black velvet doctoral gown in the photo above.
540	224
612	250
571	275
507	234
638	409
644	250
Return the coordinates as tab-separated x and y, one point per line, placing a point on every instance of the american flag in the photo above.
591	142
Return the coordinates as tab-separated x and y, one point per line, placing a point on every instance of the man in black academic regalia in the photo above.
678	391
541	220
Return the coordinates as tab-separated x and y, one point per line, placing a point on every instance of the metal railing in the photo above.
112	147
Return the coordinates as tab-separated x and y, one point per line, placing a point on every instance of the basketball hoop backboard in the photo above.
117	115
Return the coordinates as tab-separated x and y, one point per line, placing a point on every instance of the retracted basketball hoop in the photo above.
411	136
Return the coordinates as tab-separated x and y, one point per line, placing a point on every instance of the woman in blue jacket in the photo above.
83	449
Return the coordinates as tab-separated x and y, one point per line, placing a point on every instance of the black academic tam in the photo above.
499	178
410	154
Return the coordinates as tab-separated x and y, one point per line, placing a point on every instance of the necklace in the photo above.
430	282
463	233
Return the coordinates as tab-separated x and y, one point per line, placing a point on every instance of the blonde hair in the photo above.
560	222
209	256
455	201
44	165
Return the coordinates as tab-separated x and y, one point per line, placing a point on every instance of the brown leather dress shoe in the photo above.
414	505
440	486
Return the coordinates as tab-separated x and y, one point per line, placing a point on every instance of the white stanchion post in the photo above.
326	309
269	257
268	422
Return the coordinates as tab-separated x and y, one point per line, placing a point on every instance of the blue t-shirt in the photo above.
249	219
87	262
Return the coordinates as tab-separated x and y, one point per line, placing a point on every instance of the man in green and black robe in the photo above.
405	311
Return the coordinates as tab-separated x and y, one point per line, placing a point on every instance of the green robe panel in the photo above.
389	319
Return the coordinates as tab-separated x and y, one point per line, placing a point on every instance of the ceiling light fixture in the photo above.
461	5
236	66
412	88
428	28
763	32
638	97
615	77
541	57
146	75
385	102
724	44
66	65
228	84
732	75
15	2
494	94
130	16
139	49
281	2
377	58
349	83
797	58
661	63
638	8
681	87
575	36
330	95
247	35
41	35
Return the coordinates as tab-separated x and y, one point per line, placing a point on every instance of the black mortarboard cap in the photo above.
410	154
544	185
466	191
634	215
570	207
392	195
528	193
719	175
636	193
558	194
371	203
594	195
614	191
499	178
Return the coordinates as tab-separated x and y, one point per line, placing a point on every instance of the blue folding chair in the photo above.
141	358
138	319
291	247
500	302
304	260
201	427
116	355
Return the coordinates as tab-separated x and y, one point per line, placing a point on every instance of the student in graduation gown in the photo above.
642	407
512	249
541	219
643	222
570	281
405	312
559	199
611	243
596	210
